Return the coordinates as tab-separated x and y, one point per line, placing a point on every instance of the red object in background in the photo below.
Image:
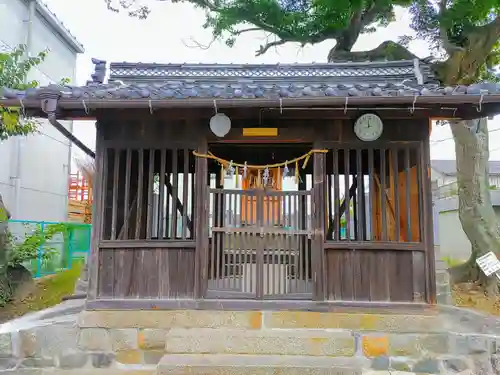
78	187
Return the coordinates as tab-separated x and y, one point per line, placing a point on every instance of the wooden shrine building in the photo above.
261	186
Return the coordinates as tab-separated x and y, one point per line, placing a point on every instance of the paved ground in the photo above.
44	317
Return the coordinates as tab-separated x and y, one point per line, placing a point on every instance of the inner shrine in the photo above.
281	187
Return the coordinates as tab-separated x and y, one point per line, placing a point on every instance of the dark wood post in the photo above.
318	224
97	215
427	224
201	222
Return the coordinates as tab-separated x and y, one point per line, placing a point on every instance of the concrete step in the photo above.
334	343
240	364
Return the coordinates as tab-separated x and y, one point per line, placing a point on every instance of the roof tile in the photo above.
183	90
211	81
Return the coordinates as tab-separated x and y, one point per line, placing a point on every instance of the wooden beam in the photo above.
270	117
352	191
180	206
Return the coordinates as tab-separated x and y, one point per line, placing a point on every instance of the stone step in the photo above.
335	343
428	320
240	364
312	342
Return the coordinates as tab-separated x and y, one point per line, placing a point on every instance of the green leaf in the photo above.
9	120
27	250
14	70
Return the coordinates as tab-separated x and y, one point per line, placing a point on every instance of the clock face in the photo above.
368	127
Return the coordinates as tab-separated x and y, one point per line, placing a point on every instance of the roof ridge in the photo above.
361	72
185	65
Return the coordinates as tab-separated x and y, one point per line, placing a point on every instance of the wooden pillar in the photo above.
427	224
201	221
318	224
302	225
97	215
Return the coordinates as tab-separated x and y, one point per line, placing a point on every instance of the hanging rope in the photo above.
295	161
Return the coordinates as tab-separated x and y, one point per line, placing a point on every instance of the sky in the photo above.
173	33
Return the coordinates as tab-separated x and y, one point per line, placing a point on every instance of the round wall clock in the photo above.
368	127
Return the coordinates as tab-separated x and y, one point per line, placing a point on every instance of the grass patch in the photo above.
471	296
47	292
452	262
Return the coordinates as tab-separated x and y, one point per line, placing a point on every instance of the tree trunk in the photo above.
476	212
4	227
5	290
387	50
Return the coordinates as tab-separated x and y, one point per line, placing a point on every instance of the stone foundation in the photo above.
255	343
443	284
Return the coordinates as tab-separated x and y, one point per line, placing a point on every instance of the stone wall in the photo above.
256	343
443	284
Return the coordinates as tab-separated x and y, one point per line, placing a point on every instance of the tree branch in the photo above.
264	48
359	20
449	47
228	15
198	44
492	27
208	4
250	29
345	38
462	67
369	15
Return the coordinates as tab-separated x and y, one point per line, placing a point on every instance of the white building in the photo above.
34	170
449	235
444	175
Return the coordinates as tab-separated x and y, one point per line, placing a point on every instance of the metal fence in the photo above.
54	254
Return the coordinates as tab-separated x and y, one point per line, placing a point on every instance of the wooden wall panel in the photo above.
136	207
409	216
401	200
146	273
374	275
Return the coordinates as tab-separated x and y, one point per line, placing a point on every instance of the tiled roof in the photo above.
332	73
228	81
252	89
402	83
449	167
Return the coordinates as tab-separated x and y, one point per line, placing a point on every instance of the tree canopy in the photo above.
14	70
465	32
462	33
302	21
